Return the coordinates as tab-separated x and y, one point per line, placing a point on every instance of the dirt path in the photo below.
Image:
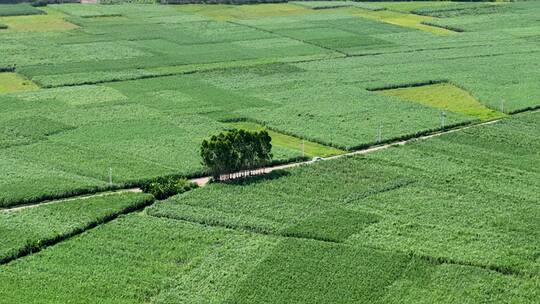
203	181
86	196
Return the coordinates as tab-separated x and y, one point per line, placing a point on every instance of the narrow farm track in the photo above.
84	196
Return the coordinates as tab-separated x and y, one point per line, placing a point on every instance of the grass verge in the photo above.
309	148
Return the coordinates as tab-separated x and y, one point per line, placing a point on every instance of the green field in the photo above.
21	9
377	228
307	148
446	97
49	223
97	98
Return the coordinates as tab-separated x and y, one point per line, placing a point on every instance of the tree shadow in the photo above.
255	179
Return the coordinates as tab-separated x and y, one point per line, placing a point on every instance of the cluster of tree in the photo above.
165	187
236	152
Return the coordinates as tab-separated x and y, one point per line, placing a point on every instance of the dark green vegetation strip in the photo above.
18	10
27	230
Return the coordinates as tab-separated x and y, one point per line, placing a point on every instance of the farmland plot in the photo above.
466	198
11	82
146	83
30	228
147	259
128	92
20	9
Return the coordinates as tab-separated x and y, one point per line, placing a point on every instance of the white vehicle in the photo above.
317	158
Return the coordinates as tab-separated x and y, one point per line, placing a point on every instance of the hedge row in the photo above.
38	2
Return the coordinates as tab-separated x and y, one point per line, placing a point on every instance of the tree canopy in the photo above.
236	151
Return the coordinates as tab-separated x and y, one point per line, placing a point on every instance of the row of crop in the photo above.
31	229
444	26
220	1
460	10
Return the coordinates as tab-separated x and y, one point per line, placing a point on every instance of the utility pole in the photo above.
443	117
502	105
303	152
110	176
379	133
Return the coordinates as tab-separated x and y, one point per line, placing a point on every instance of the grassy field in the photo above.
102	97
146	83
21	9
447	97
30	228
47	20
379	228
409	199
11	82
308	148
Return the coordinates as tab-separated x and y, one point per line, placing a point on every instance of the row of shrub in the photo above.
220	1
38	2
165	187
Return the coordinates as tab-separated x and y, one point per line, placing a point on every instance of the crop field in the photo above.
44	224
427	214
11	82
445	96
21	9
437	100
45	21
308	148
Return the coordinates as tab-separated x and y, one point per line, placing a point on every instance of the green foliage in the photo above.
26	230
166	187
21	9
236	150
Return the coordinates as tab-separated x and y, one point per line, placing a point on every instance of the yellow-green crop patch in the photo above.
311	149
401	19
447	97
52	21
13	82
